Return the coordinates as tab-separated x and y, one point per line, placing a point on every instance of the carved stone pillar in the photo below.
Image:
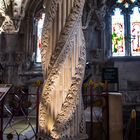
63	61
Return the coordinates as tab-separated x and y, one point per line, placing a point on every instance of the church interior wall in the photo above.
17	50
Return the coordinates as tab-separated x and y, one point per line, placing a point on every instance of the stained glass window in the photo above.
118	47
124	1
126	28
39	33
135	32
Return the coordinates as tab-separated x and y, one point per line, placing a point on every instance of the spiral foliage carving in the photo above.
61	113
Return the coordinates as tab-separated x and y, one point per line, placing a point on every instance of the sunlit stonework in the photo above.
63	61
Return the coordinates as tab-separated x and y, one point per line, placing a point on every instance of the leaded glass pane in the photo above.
118	47
135	32
120	1
133	0
126	5
39	32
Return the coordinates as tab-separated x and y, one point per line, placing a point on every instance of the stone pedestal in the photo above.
115	116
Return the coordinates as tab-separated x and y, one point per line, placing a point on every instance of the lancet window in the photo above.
40	22
125	21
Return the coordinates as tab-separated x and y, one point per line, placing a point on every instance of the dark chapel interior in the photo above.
69	70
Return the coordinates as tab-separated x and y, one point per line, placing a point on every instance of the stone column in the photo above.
10	50
63	61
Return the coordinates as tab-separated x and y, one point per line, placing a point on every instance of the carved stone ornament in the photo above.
11	13
98	11
61	112
18	57
4	57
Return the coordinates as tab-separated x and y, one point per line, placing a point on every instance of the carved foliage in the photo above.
63	48
49	16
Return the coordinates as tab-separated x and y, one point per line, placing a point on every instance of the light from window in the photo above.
124	1
39	33
135	32
118	47
120	1
133	0
126	5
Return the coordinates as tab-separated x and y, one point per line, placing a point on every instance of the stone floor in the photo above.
20	128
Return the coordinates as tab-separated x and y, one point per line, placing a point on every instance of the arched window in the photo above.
125	22
40	22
